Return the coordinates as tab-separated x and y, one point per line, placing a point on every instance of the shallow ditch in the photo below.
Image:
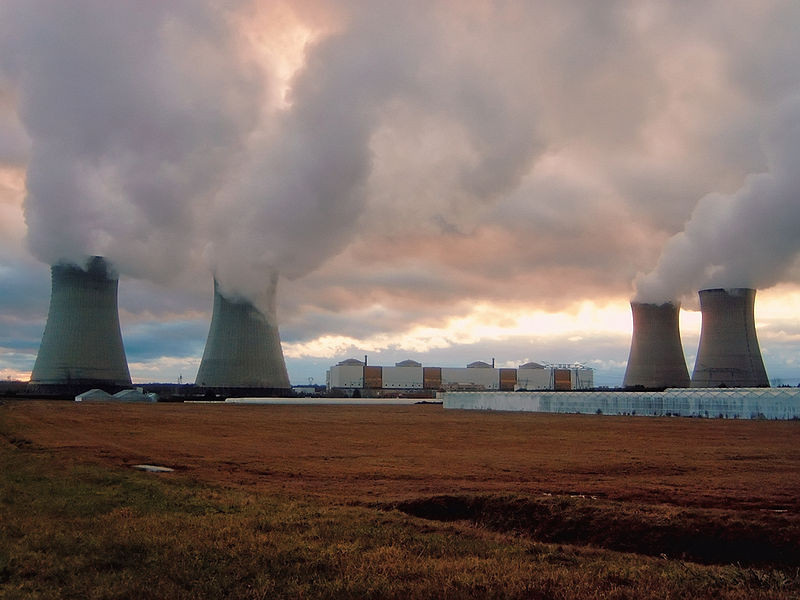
710	536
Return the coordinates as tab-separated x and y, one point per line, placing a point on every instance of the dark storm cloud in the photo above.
21	337
24	291
150	340
25	286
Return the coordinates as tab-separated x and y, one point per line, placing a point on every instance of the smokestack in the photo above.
243	348
728	354
656	358
82	342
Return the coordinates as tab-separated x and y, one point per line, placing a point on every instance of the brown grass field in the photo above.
393	502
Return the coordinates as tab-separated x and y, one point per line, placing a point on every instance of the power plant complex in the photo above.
243	348
82	347
656	358
410	376
82	341
729	379
728	354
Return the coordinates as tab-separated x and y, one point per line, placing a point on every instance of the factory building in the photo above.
243	349
728	354
406	375
82	346
715	403
656	358
533	376
82	342
411	376
348	375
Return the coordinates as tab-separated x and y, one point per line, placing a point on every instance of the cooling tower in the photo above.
243	349
656	358
728	354
82	342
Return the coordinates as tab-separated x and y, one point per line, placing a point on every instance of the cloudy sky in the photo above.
444	181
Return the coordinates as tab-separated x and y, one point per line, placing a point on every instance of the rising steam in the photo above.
746	239
151	144
136	112
303	189
560	133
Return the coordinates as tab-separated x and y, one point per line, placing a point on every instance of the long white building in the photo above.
722	403
410	375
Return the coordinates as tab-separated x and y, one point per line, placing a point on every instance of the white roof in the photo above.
351	361
93	394
136	395
479	364
408	363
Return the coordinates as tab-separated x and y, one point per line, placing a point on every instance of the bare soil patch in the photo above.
395	501
403	452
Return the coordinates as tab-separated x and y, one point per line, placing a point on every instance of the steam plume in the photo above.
151	144
136	111
746	239
303	191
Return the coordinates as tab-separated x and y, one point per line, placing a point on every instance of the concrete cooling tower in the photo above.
243	349
656	359
728	354
82	342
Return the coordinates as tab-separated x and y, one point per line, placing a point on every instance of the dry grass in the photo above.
296	501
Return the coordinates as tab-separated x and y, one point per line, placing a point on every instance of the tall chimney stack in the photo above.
728	355
82	341
656	357
243	348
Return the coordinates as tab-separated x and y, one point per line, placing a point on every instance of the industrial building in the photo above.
82	347
411	376
656	358
711	403
82	341
243	349
728	354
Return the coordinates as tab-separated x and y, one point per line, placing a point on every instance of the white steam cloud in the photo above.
136	112
152	146
306	183
515	151
745	239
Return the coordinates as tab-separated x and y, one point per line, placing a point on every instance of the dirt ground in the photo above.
394	453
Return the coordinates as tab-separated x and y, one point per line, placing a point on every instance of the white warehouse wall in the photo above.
535	379
582	379
407	378
488	379
738	403
346	376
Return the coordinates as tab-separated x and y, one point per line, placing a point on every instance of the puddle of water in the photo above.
153	468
